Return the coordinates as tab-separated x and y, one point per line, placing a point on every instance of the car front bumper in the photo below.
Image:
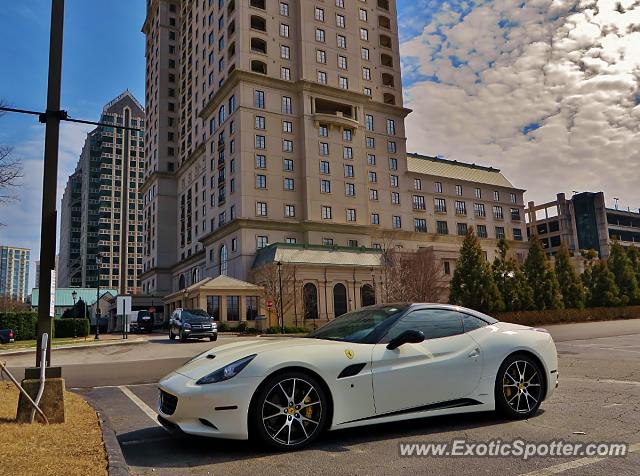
200	332
217	410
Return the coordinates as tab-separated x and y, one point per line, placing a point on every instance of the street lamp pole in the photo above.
98	263
74	294
49	181
280	292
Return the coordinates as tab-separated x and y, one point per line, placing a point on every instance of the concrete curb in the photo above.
32	350
116	465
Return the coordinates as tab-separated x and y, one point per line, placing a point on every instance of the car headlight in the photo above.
186	325
227	372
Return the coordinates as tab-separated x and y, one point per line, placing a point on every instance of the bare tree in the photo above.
9	304
413	276
10	171
269	277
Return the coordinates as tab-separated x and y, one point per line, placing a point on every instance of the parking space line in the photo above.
140	404
577	463
604	380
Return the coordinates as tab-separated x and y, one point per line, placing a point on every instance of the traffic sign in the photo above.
269	303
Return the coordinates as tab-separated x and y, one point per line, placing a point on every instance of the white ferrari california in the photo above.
378	364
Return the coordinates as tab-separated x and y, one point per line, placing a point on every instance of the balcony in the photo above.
331	112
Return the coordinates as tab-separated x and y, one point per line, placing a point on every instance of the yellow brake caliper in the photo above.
309	410
507	390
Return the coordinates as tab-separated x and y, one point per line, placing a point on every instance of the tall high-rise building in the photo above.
283	122
101	206
14	272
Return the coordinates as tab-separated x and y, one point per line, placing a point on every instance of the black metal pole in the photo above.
49	181
281	304
97	337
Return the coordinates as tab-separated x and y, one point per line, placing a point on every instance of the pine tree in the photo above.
633	253
511	281
600	282
622	268
542	278
472	284
571	287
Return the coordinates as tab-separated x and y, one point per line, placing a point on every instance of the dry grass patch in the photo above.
72	448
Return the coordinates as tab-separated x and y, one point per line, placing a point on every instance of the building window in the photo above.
261	163
287	145
499	232
261	142
289	211
252	307
325	186
442	228
326	212
375	219
347	135
419	202
287	108
347	153
479	210
287	165
477	193
321	57
420	225
285	52
339	299
213	307
319	14
262	241
322	77
323	148
261	181
233	308
368	122
393	164
342	41
482	231
395	198
371	159
440	205
462	229
438	187
287	127
497	212
261	209
417	184
310	300
348	170
289	183
459	190
515	214
343	82
391	127
496	196
373	194
323	130
351	214
327	241
461	207
259	122
258	99
320	35
396	222
513	197
324	167
367	295
447	268
517	234
373	177
224	260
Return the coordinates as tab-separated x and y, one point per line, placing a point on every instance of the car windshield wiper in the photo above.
326	338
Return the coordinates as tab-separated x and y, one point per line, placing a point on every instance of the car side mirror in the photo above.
407	337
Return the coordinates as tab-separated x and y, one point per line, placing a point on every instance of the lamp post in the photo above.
98	264
279	264
74	294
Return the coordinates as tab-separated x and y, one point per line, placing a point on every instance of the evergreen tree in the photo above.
622	268
633	253
571	287
511	281
542	278
600	282
472	284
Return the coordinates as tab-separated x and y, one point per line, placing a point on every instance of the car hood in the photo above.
220	356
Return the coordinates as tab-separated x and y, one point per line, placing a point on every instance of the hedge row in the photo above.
25	325
564	316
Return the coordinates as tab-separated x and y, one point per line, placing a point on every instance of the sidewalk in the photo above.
105	340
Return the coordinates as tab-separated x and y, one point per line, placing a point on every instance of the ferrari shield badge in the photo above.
348	353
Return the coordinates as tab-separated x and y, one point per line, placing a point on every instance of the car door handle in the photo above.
474	353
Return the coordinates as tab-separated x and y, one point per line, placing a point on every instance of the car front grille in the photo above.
201	326
168	403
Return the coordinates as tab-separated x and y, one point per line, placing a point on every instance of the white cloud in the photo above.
571	67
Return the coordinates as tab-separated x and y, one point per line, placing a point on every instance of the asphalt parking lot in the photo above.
598	401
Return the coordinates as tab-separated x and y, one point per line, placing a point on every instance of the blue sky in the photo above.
548	86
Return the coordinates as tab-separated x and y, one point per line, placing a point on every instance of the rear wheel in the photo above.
519	387
289	412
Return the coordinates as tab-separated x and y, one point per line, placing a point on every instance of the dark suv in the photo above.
7	336
188	323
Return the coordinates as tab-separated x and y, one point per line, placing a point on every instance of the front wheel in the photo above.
183	337
519	387
289	412
172	336
213	338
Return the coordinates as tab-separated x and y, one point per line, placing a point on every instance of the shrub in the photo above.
564	316
24	324
242	327
223	327
71	327
287	330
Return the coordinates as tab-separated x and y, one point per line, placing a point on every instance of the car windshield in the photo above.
194	315
358	326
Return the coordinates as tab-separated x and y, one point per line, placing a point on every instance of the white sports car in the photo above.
378	364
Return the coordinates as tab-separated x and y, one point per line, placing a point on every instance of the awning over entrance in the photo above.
318	255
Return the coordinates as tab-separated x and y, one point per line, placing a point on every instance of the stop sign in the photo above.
269	303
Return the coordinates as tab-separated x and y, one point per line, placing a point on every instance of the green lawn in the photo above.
26	344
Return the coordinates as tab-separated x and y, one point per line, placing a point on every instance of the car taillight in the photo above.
11	334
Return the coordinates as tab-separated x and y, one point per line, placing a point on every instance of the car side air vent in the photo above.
351	370
211	356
